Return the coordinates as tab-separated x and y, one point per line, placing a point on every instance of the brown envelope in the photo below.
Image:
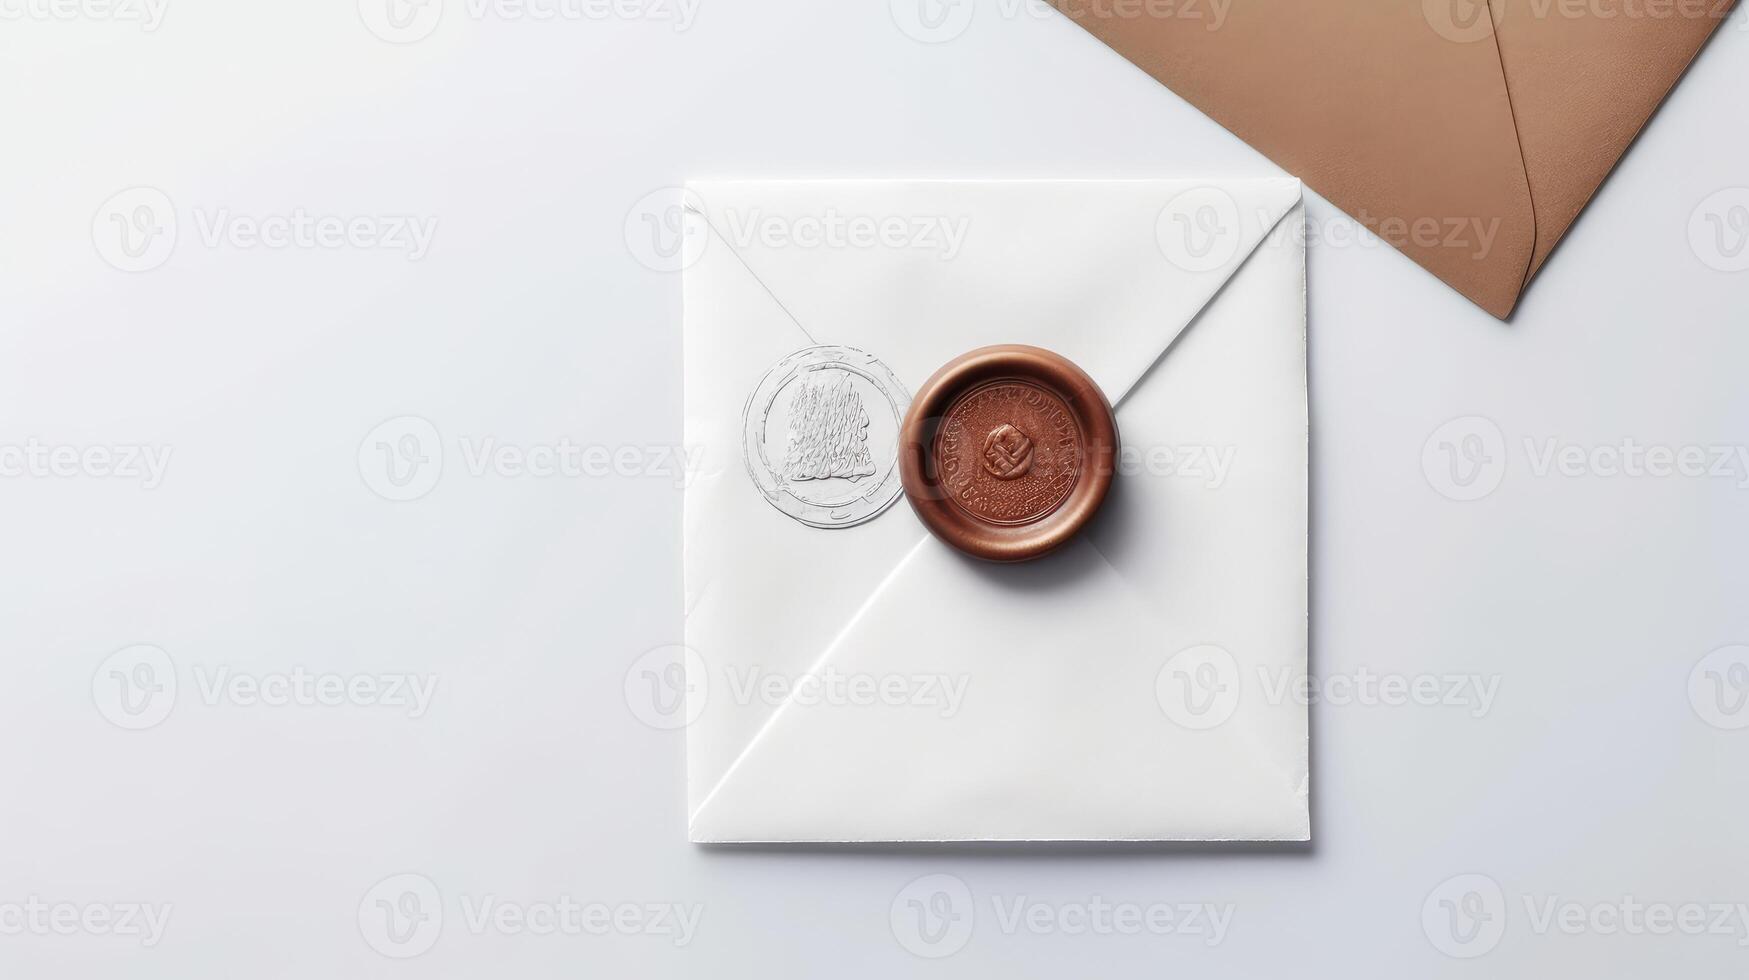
1469	142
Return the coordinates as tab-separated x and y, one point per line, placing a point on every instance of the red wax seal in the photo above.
1007	452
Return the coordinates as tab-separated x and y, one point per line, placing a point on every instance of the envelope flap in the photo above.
915	272
1397	123
1582	89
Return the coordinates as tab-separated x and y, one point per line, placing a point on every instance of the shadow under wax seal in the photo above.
1007	452
821	435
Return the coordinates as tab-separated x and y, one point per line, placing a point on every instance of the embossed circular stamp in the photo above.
1007	452
821	436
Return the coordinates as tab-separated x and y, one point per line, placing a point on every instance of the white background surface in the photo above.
1593	779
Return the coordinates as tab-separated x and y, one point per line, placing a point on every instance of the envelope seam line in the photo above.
1530	265
1238	266
819	661
756	278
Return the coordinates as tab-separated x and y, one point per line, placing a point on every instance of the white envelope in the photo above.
870	684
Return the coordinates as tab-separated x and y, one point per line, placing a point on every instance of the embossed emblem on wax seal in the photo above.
1007	452
820	434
